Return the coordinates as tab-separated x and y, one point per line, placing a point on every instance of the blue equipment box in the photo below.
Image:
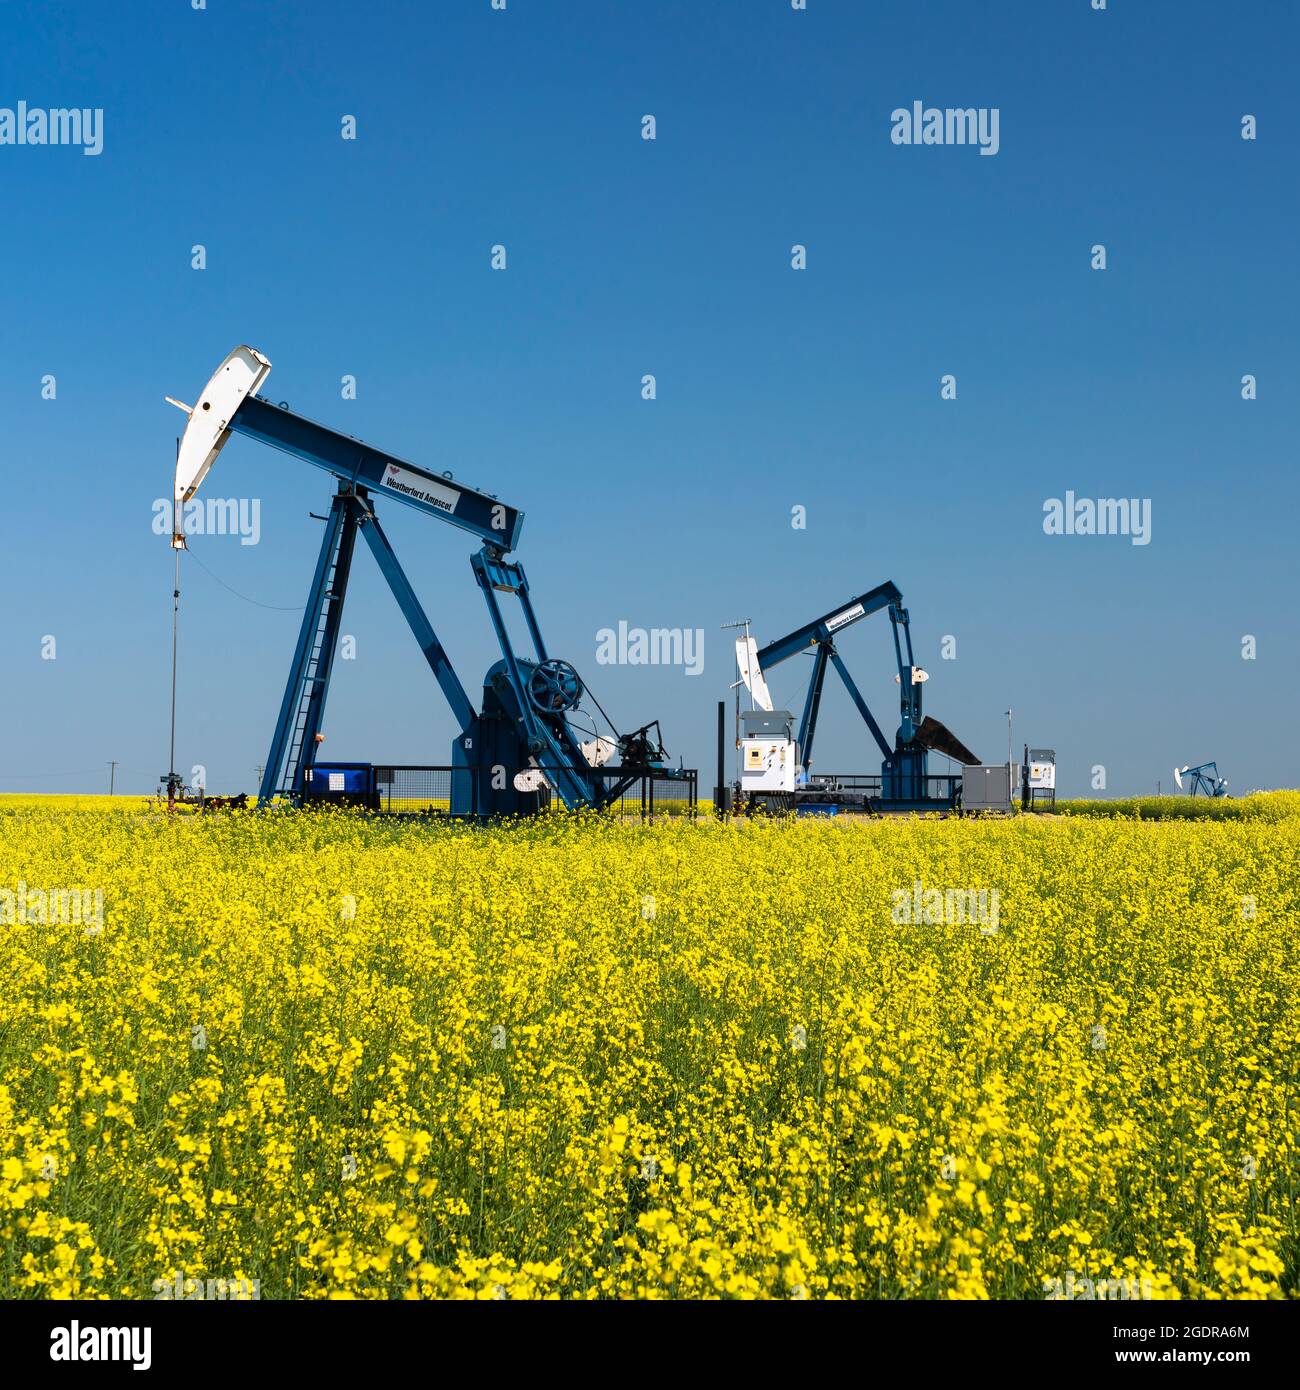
352	784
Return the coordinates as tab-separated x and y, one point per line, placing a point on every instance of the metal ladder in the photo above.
304	697
309	681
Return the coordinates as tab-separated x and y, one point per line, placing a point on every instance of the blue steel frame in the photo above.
364	471
305	683
362	465
555	748
1205	780
302	710
820	634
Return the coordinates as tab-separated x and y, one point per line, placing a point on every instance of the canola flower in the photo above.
347	1058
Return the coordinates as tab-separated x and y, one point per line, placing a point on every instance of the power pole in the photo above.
720	792
258	770
1010	764
112	773
173	781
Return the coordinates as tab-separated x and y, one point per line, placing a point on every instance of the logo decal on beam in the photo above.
421	488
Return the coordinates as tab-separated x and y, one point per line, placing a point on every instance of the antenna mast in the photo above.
735	685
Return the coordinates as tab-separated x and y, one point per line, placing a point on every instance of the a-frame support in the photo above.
812	703
293	747
550	744
302	711
861	704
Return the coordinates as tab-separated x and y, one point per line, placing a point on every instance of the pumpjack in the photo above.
1203	779
524	739
778	760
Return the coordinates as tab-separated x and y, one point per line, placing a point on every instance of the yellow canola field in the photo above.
341	1057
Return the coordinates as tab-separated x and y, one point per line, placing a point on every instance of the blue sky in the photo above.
776	388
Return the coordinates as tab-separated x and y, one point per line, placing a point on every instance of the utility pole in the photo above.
258	770
112	773
1010	764
173	781
720	792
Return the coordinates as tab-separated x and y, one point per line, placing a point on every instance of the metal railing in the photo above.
845	781
939	788
426	789
431	789
649	796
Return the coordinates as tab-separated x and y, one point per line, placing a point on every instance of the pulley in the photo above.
554	687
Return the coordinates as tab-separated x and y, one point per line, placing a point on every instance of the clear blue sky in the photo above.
776	388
